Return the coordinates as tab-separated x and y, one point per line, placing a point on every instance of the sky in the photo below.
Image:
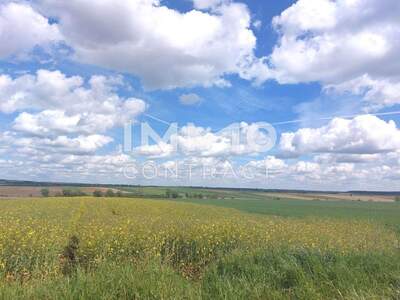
261	94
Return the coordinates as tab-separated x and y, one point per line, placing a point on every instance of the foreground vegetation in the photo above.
105	248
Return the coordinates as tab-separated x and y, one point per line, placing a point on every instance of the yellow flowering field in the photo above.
36	234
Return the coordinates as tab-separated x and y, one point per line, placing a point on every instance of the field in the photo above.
229	245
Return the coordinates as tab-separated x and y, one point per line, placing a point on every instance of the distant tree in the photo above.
45	192
397	199
80	193
98	193
110	193
66	193
168	193
119	194
72	193
174	195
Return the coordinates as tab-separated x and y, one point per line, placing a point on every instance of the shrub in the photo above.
110	193
72	193
69	259
397	199
45	192
98	193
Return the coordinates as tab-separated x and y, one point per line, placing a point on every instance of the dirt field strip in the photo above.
327	196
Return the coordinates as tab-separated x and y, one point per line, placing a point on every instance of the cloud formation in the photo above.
347	45
364	134
63	104
165	48
22	28
234	140
190	99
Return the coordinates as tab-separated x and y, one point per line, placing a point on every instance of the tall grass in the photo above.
262	274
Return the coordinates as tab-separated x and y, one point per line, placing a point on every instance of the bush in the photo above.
72	193
110	193
45	192
397	199
98	193
171	194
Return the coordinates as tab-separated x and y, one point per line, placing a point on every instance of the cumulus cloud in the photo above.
159	150
64	114
22	28
364	134
46	122
66	104
64	144
347	45
236	139
162	46
270	162
55	90
190	99
377	93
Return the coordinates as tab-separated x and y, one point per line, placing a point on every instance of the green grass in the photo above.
266	274
288	274
385	213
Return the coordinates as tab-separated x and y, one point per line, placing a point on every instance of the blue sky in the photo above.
325	74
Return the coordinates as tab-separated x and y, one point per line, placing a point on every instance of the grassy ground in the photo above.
265	274
263	203
116	248
387	213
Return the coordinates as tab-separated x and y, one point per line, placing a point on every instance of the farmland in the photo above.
239	247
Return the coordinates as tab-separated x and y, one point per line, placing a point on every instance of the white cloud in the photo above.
190	99
64	144
164	47
351	45
46	122
160	149
257	24
54	90
270	167
236	139
66	105
377	92
57	113
22	28
347	158
206	4
364	134
304	167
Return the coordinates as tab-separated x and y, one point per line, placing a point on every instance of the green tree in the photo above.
110	193
66	193
98	193
397	199
45	192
